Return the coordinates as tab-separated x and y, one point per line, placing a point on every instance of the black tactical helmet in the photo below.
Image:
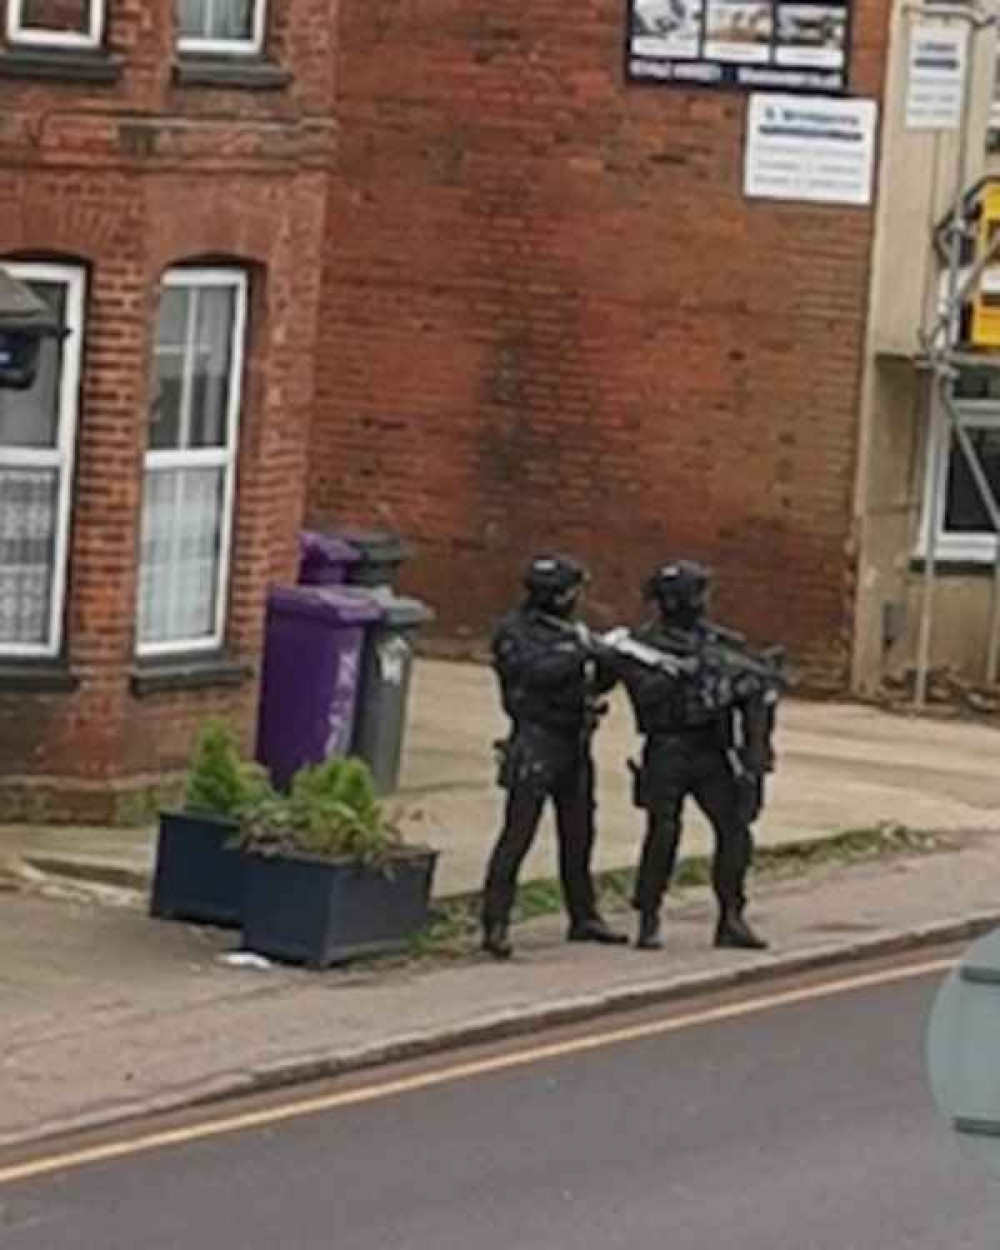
680	588
553	582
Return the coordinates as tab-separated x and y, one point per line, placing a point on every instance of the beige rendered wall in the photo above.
916	185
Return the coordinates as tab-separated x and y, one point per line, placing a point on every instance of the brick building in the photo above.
552	316
162	181
440	267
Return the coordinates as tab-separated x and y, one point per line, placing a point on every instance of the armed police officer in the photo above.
705	707
550	682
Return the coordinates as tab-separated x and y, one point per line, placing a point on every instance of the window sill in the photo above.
36	677
216	71
150	677
954	566
58	65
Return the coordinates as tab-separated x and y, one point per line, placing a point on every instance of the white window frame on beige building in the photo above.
61	457
994	122
39	36
221	458
207	44
973	547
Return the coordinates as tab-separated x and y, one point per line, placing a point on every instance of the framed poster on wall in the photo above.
749	45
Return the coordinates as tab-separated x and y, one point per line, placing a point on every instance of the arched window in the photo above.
37	444
190	477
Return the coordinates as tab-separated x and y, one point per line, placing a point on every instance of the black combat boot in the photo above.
649	932
496	941
595	930
734	932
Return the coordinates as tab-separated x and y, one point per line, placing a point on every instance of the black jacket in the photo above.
543	673
664	704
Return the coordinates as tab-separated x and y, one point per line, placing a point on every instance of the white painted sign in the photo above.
392	656
935	81
810	148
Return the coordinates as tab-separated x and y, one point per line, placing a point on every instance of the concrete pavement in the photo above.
108	1014
841	766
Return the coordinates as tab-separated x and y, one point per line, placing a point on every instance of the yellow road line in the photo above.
145	1142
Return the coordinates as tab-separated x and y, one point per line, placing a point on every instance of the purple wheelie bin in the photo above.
325	559
312	674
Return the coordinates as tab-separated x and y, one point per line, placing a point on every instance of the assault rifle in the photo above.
715	655
751	686
768	667
620	642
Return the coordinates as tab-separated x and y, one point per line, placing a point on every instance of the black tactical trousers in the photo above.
540	766
674	767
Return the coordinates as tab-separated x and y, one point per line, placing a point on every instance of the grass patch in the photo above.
454	929
852	846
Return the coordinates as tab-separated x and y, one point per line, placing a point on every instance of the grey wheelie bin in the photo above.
380	723
380	553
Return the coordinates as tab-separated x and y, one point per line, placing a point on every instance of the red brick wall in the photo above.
552	319
131	178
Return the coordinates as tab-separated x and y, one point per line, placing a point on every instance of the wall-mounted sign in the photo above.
935	83
810	148
753	45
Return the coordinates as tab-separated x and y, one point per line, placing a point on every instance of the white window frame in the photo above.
37	36
224	458
230	47
994	121
968	548
62	457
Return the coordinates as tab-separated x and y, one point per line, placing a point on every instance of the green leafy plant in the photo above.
332	812
220	782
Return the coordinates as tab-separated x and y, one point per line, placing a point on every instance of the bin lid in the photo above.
380	546
319	551
401	610
337	605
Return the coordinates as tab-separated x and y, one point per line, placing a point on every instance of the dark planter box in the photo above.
197	877
321	912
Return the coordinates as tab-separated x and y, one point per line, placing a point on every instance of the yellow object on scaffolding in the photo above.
985	327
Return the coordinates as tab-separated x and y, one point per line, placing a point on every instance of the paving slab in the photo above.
841	766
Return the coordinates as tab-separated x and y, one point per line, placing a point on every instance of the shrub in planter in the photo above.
199	873
328	875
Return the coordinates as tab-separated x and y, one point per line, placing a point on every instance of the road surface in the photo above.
802	1126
